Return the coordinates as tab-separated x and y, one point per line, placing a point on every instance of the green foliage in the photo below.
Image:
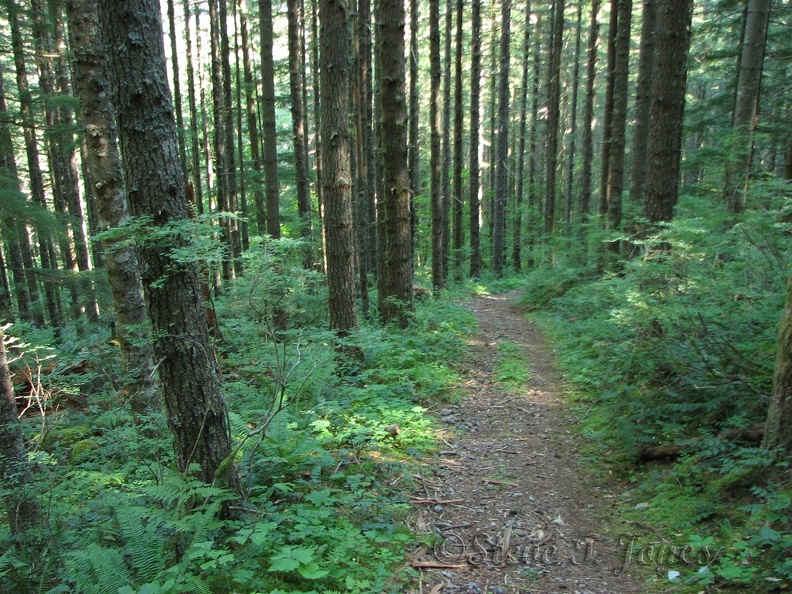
675	348
322	469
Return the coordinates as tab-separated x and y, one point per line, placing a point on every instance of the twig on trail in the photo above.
499	482
437	588
423	484
435	565
432	501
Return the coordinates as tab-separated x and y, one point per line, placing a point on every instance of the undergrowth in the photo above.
672	354
325	452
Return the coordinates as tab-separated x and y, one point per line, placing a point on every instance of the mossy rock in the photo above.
82	450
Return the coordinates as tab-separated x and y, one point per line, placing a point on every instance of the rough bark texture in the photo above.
618	129
15	475
336	170
445	177
459	141
573	108
268	122
435	159
502	153
298	128
415	102
395	248
188	370
778	428
91	87
518	200
746	105
643	101
475	122
195	156
668	104
553	114
587	141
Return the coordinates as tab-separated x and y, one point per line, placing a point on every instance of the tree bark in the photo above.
296	75
435	158
778	427
502	153
188	370
668	104
395	249
336	169
521	134
746	105
268	124
475	123
553	114
96	116
587	141
459	122
643	101
573	108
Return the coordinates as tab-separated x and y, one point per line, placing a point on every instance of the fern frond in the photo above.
144	547
98	570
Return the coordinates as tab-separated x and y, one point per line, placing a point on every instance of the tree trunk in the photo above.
177	96
502	153
195	174
35	176
475	144
746	105
104	163
268	123
414	155
336	170
435	158
553	113
573	108
396	273
15	474
188	370
521	134
587	141
459	122
296	75
445	187
643	101
778	427
618	125
668	105
229	171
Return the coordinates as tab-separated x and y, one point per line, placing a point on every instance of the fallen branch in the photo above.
499	482
435	565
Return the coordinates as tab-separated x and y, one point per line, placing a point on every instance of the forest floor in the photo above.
513	506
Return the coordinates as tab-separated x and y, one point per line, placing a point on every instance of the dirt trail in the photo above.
515	510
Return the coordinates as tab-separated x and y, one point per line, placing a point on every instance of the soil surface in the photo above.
508	498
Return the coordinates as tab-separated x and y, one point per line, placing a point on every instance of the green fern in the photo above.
97	570
143	546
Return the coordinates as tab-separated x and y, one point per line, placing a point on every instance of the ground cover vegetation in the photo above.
287	171
671	360
325	459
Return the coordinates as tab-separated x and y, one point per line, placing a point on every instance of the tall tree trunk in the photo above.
268	124
535	204
573	116
70	185
104	163
195	152
15	473
177	96
396	272
502	153
188	370
668	105
587	141
35	176
553	113
336	170
368	204
445	188
296	75
252	122
435	158
643	101
233	233
746	105
778	426
6	307
614	182
475	138
459	122
414	114
518	201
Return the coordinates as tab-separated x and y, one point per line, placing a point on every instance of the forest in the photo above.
237	248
